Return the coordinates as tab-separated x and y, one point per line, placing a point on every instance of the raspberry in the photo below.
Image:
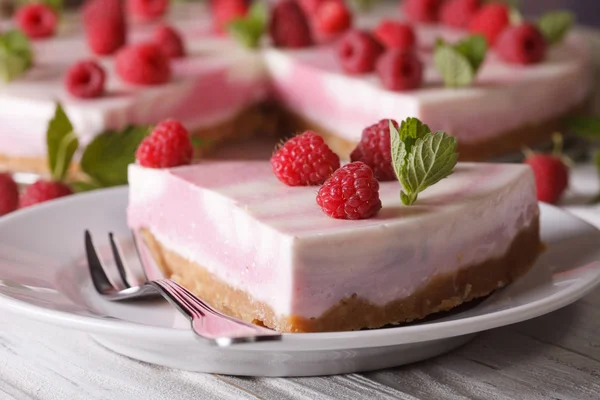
490	21
374	149
143	64
85	80
310	6
42	191
395	35
522	44
551	176
332	16
358	51
352	192
170	41
169	145
9	194
147	10
104	24
36	20
225	11
304	160
288	26
458	13
400	70
422	10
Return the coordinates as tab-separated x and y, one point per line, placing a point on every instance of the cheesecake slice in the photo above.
266	253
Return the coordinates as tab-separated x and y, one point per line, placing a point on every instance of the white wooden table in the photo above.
556	356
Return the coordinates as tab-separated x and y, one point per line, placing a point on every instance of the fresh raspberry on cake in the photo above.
225	11
169	145
522	44
352	192
400	70
550	171
147	10
358	51
36	20
458	13
422	10
170	41
288	26
85	79
490	21
397	35
9	194
304	160
332	16
374	149
42	191
143	64
104	25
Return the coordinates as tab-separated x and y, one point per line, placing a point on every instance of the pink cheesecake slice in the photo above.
265	252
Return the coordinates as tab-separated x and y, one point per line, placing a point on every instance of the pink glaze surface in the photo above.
274	242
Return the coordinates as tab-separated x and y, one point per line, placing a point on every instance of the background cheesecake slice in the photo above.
265	252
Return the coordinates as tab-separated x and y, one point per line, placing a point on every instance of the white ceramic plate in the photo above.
43	275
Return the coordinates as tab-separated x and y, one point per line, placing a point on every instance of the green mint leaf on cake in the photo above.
109	154
249	29
586	126
16	56
555	25
420	157
459	63
62	144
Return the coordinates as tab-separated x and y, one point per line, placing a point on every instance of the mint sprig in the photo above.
459	63
106	158
249	29
555	25
62	144
420	157
16	55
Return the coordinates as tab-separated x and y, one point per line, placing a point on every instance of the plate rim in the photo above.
395	335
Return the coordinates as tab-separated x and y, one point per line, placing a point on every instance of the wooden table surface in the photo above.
556	356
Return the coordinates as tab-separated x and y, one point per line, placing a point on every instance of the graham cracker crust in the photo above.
260	119
502	144
441	293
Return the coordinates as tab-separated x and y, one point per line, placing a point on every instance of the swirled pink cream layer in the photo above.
503	98
274	242
215	82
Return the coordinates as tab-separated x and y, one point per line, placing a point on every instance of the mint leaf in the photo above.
16	55
555	25
412	129
586	126
249	29
56	5
456	69
474	48
107	157
398	150
431	159
62	144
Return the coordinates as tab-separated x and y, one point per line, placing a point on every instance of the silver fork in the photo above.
207	323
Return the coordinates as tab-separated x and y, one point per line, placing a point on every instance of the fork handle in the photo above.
209	324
